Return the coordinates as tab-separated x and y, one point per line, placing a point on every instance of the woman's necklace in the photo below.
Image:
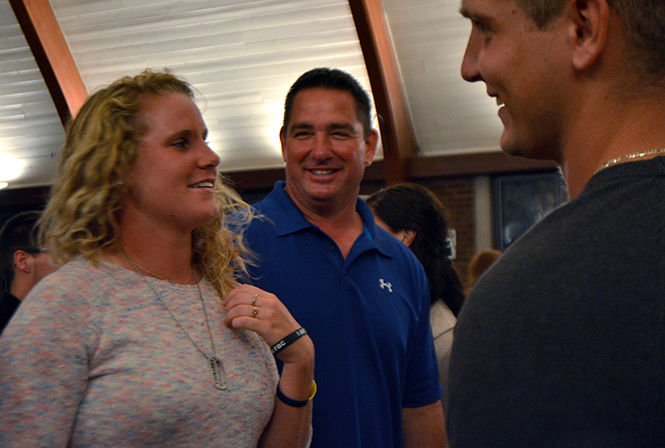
635	155
215	364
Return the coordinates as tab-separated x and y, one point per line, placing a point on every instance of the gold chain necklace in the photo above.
632	156
215	364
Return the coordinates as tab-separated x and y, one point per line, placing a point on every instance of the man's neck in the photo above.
620	130
341	222
20	288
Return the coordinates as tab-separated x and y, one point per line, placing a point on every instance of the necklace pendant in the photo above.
218	375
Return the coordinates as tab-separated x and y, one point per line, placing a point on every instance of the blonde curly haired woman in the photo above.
144	337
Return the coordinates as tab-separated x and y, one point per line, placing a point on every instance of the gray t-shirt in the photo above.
561	343
93	359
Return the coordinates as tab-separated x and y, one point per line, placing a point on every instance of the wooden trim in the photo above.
474	164
255	180
33	196
51	52
417	169
397	131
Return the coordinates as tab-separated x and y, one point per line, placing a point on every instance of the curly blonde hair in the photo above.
81	217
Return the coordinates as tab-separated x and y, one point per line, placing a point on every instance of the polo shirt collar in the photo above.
289	219
283	211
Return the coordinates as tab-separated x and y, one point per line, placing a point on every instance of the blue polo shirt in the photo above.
368	316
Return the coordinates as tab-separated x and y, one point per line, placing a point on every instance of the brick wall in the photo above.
458	196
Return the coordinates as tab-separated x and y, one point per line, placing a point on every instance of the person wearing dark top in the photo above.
22	262
561	342
8	305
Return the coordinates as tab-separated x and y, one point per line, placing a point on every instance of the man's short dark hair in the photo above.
542	12
18	233
331	78
642	22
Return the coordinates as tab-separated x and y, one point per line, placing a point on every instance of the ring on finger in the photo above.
255	311
256	296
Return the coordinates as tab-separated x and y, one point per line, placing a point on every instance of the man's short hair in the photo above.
331	78
18	233
542	12
643	22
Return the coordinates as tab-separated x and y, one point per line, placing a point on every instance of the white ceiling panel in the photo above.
450	115
30	130
241	56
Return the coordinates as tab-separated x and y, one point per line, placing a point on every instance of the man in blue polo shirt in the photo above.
359	292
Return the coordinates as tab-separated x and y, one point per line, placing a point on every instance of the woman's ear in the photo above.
407	236
589	21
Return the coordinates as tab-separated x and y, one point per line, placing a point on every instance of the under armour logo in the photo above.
384	284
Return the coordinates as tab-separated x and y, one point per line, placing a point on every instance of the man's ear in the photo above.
588	31
371	142
282	141
22	261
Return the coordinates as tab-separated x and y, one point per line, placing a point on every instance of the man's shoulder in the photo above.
398	263
396	250
264	219
273	208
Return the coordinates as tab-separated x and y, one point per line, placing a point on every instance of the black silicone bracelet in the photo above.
296	403
288	340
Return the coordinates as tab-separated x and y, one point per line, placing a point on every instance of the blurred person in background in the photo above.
415	216
478	264
22	262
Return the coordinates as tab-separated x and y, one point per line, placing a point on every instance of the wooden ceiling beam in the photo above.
488	163
51	52
420	168
398	135
478	164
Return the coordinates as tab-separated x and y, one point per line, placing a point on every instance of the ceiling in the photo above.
241	56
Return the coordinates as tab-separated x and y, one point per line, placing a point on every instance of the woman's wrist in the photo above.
287	340
299	354
296	403
298	370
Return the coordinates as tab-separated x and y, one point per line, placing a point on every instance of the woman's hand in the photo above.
255	309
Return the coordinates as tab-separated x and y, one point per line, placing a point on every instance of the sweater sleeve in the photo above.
44	365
